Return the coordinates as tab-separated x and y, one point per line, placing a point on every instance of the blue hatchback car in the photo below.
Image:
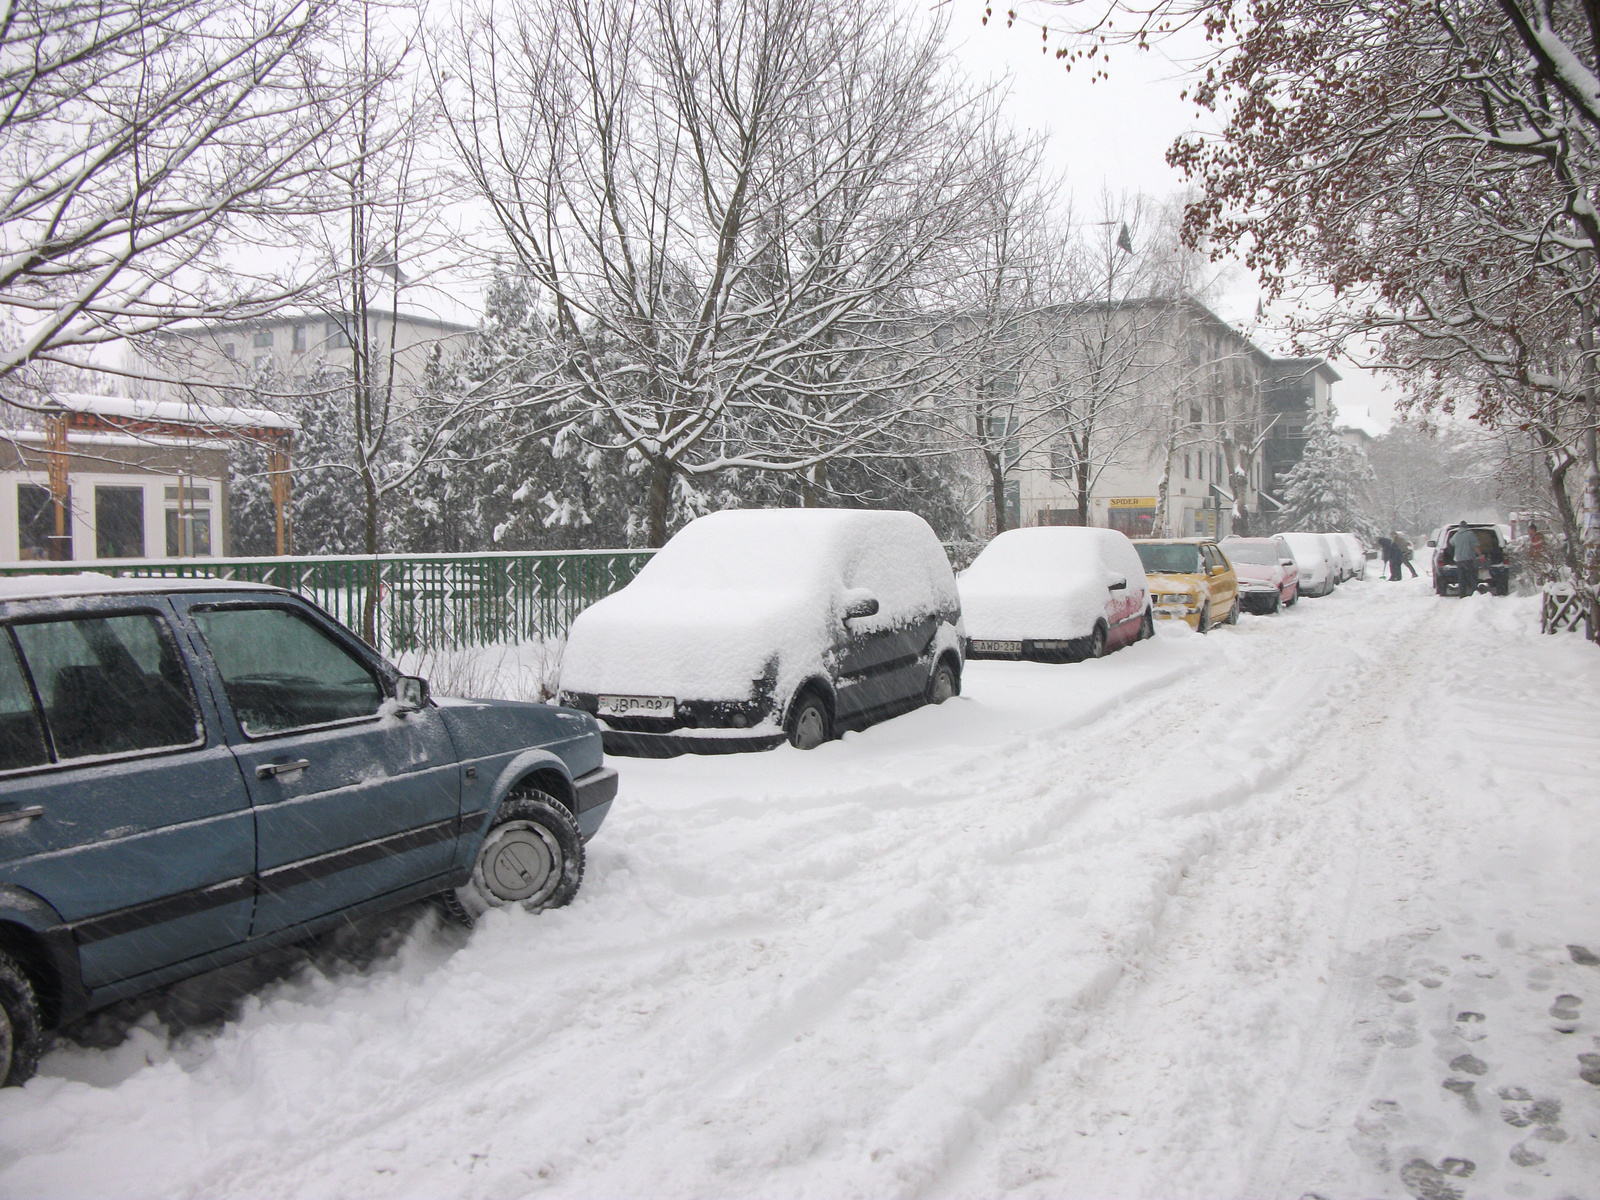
194	771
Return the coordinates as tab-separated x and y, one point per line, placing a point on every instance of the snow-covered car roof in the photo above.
90	583
1183	541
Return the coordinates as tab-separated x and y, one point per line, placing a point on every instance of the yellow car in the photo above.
1190	579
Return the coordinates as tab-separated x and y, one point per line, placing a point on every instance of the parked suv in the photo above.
755	625
1492	540
194	771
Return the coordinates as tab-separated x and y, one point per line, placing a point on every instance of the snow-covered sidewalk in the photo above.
1302	906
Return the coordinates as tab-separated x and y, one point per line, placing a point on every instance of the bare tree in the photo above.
735	211
146	142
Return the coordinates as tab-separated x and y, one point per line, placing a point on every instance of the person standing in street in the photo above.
1402	554
1391	562
1464	547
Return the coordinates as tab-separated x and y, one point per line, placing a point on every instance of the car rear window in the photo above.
1169	558
109	684
1256	554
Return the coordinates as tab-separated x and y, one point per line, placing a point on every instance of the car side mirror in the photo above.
1286	562
1218	570
859	602
411	693
1118	585
1431	542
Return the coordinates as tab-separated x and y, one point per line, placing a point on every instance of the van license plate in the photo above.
982	647
637	706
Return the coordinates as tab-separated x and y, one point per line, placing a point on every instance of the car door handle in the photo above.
10	815
272	770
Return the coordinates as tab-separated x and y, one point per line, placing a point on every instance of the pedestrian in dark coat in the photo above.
1391	562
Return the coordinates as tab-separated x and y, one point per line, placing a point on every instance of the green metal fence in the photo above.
423	601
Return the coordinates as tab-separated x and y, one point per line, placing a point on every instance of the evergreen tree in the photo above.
1327	490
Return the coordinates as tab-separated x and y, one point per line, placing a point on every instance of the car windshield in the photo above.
1169	558
1256	554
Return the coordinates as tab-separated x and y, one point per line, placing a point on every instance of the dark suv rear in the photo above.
1496	573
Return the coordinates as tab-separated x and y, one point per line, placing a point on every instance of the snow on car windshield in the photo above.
1169	558
1256	554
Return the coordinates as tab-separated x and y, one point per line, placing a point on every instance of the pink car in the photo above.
1268	577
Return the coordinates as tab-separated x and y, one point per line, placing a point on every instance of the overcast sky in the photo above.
1112	134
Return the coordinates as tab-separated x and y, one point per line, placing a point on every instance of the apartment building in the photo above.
1186	441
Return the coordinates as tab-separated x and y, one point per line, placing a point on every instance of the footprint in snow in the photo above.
1565	1011
1589	1068
1525	1111
1584	956
1525	1155
1467	1026
1463	1088
1428	1182
1469	1064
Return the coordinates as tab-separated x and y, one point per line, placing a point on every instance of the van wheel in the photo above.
944	683
21	1032
532	856
809	725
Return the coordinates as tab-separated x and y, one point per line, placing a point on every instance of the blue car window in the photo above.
281	672
21	739
109	685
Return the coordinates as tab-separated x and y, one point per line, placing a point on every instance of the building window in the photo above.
1200	464
335	335
228	350
1186	464
188	526
36	525
299	339
1063	465
119	522
1194	413
263	361
263	340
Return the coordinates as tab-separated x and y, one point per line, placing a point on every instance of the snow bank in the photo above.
735	595
1047	582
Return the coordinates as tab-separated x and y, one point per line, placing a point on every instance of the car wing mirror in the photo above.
411	693
859	602
1431	542
1118	585
1286	562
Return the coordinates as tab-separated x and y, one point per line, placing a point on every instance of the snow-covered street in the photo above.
1303	906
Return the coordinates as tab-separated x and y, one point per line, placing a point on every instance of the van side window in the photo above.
21	739
109	685
281	672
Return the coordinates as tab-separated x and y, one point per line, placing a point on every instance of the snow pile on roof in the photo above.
740	593
1359	419
1049	582
178	412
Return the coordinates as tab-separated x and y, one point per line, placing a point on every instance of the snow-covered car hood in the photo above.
1039	607
710	644
1258	573
1174	583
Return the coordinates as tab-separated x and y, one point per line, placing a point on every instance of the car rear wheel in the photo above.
944	683
1233	612
809	725
532	857
21	1031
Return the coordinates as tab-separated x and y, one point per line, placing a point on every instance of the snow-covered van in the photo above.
755	625
1055	594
